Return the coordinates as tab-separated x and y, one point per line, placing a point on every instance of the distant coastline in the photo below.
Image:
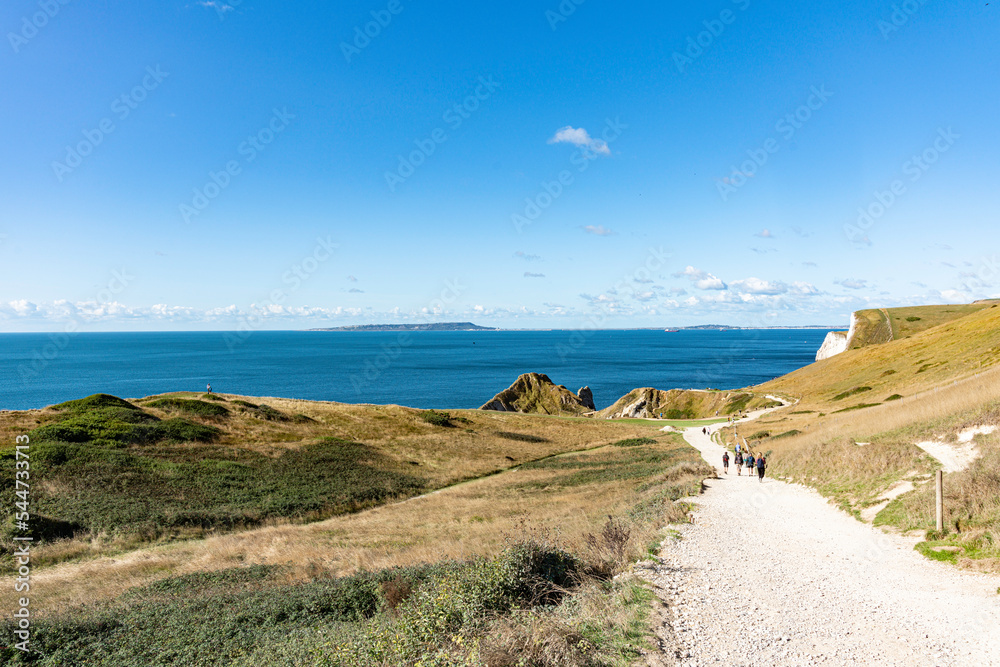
432	326
469	326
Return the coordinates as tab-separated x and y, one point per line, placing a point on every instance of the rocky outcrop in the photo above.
535	393
649	403
834	343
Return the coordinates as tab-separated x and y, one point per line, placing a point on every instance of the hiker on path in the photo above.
725	462
739	463
210	388
761	467
749	460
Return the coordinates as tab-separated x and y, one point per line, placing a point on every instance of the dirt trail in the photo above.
771	574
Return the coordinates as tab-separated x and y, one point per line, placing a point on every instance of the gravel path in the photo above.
771	574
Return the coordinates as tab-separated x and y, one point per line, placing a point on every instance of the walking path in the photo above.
772	574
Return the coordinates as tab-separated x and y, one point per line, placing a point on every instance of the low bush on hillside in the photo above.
851	392
532	603
520	437
435	418
634	442
859	406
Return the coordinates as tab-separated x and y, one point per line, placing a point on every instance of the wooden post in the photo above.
940	501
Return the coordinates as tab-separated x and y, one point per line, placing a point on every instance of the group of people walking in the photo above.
750	460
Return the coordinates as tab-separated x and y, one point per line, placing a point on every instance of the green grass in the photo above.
190	407
110	467
643	461
110	422
164	490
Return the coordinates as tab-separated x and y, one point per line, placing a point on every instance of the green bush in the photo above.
634	442
851	392
436	418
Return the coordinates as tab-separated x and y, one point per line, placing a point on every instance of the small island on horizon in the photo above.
428	326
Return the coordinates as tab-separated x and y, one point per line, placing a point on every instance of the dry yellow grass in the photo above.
457	522
948	377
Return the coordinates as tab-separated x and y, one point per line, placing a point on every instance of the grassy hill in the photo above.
514	566
941	375
877	326
116	474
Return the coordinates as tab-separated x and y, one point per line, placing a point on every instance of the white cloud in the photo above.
529	274
218	6
851	283
758	286
599	230
520	254
765	234
701	279
803	289
580	137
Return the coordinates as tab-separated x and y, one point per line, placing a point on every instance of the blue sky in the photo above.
212	165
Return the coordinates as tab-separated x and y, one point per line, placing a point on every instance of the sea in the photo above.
448	369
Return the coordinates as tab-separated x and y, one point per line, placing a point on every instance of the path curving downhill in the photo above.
772	574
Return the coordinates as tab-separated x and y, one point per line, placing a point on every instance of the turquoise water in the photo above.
420	369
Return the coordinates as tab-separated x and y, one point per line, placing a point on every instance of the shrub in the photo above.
851	392
436	418
634	442
521	437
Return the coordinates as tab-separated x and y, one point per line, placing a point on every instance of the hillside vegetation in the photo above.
877	326
513	567
852	434
115	474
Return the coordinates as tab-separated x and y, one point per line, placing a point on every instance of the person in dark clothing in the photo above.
761	467
739	463
749	460
725	462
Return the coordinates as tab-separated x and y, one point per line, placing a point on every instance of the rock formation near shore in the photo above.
649	403
838	341
535	393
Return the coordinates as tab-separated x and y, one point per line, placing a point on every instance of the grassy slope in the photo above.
263	460
296	614
948	378
872	327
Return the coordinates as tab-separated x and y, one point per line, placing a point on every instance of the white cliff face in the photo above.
834	344
837	341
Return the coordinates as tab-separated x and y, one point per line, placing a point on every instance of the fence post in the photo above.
940	501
